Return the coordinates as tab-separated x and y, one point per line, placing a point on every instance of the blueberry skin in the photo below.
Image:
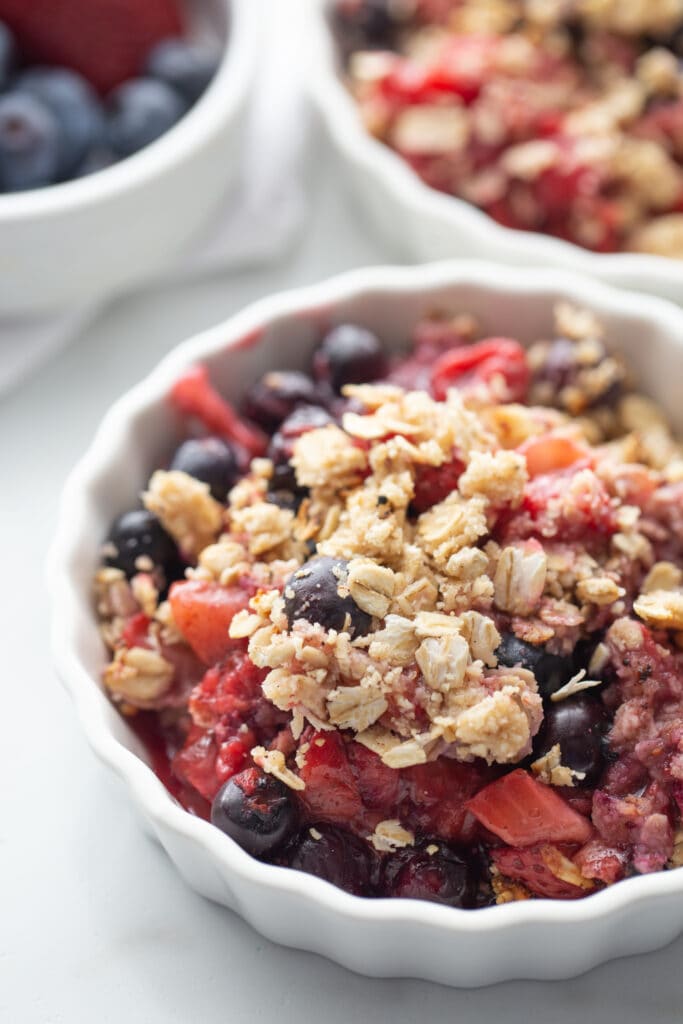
76	108
578	724
443	875
311	593
335	855
210	460
29	143
281	449
137	534
256	810
8	55
141	110
349	355
186	67
551	670
277	394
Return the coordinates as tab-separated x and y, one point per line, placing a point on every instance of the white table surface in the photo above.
95	925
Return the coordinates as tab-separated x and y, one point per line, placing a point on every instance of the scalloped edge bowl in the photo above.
534	939
423	224
85	240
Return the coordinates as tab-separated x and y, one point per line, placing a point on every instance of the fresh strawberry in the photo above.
543	869
331	792
107	41
203	612
522	812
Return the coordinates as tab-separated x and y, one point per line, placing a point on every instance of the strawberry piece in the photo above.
434	483
331	792
107	41
135	632
436	797
474	365
377	784
543	869
230	689
194	396
522	811
203	612
206	761
550	453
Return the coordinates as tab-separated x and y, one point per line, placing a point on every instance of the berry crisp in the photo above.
414	624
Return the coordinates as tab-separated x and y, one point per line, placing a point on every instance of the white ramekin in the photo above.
534	939
84	240
423	224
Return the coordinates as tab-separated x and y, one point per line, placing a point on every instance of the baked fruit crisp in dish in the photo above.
558	116
415	624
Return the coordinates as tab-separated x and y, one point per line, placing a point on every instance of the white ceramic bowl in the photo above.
534	939
85	240
421	223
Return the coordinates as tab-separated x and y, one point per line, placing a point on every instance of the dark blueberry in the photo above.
349	355
551	670
29	143
185	66
210	460
560	363
139	534
562	368
312	593
277	394
367	24
578	724
432	871
335	855
8	55
256	810
281	447
76	107
141	110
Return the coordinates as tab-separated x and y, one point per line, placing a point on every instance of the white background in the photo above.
95	925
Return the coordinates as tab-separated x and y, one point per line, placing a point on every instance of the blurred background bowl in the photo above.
85	240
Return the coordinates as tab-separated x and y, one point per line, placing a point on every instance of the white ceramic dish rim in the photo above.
220	102
70	617
493	240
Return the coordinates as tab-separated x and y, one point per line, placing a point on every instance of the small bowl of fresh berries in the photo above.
120	129
374	598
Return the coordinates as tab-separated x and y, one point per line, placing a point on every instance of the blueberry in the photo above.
141	110
578	724
185	66
281	449
431	871
139	534
349	355
256	810
29	143
312	593
210	460
76	108
277	394
8	55
551	670
335	855
367	24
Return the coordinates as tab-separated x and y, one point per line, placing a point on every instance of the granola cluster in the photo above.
561	117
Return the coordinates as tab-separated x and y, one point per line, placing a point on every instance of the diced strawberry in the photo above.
522	812
550	453
107	41
377	784
229	689
194	396
331	791
474	365
434	483
135	631
604	863
203	612
537	866
436	795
